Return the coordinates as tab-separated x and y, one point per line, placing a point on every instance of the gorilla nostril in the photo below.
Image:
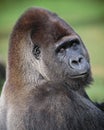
74	62
80	59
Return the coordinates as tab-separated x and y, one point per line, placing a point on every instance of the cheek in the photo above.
54	69
86	54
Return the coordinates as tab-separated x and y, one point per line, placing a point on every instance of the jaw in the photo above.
79	81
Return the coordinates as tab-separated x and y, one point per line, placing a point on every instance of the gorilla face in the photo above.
71	53
67	62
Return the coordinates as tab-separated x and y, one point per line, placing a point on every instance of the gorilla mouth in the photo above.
79	75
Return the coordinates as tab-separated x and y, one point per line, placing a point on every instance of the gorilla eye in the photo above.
74	43
62	50
67	44
36	51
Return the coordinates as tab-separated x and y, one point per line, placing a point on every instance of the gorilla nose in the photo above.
78	63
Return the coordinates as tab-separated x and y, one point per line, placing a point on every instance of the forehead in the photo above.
50	28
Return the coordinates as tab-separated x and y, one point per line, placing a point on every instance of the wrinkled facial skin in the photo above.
62	55
70	52
68	62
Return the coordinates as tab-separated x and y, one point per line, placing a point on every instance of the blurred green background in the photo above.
85	16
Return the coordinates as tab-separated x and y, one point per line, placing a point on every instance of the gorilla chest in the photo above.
59	112
48	114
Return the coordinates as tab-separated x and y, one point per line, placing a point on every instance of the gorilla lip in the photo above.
79	76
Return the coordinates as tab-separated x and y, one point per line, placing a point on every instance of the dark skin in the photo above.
48	69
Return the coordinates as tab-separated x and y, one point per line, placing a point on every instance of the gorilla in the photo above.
48	69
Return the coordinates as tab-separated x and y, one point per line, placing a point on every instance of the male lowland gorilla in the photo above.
48	68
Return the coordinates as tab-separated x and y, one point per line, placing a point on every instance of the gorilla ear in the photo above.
36	48
36	51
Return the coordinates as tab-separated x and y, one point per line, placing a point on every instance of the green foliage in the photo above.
96	90
86	16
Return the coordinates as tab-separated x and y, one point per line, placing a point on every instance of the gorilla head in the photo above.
50	50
